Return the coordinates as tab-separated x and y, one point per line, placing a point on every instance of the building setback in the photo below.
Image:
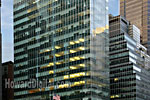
137	12
7	75
129	63
64	42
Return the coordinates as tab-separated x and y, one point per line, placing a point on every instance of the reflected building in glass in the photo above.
64	42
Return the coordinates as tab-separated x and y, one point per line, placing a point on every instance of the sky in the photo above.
7	27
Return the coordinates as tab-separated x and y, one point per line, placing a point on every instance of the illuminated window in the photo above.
51	72
72	51
66	77
77	75
116	79
77	41
58	63
82	40
73	67
63	86
77	58
81	48
51	64
114	96
78	83
72	59
72	43
82	65
57	55
57	47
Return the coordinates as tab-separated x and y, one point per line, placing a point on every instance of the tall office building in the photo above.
129	62
64	42
137	12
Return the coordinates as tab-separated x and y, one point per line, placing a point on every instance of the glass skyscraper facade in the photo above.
64	42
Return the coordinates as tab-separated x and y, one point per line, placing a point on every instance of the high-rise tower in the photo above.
129	62
137	12
64	42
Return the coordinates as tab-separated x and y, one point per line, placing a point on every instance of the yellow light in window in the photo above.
72	43
82	57
112	96
51	72
77	75
82	40
71	59
73	67
81	48
51	64
66	77
82	82
58	63
76	83
57	55
117	96
47	50
116	79
82	74
63	86
77	58
77	41
72	76
57	47
72	51
60	86
82	65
